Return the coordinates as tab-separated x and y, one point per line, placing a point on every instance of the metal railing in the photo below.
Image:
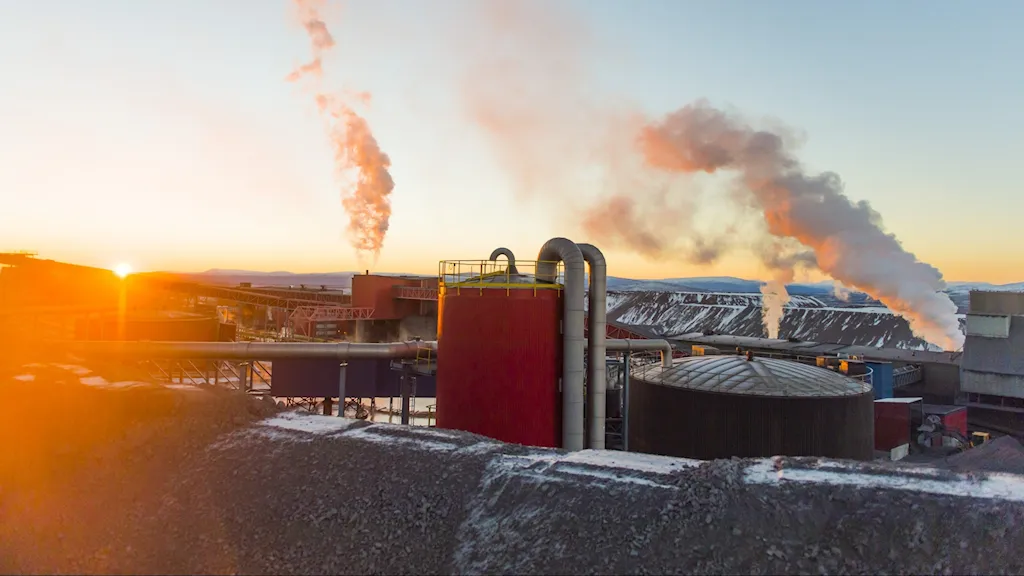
479	274
906	376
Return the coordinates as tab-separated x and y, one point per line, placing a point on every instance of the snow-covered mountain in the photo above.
670	314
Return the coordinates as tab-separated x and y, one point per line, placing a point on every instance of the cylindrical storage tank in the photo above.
499	357
709	407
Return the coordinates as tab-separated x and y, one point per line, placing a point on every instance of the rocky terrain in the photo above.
133	478
808	318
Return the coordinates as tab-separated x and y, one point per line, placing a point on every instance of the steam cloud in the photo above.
847	238
773	302
358	158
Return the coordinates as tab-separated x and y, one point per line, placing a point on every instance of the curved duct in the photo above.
596	326
507	254
551	253
251	350
642	346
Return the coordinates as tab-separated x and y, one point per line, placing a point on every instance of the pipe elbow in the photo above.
558	250
593	255
507	254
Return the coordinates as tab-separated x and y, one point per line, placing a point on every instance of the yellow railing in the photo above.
480	274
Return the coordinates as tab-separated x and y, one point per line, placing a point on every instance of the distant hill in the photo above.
824	291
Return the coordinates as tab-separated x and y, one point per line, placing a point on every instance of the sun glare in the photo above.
123	270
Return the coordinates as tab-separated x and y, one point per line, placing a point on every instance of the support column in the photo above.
625	403
341	390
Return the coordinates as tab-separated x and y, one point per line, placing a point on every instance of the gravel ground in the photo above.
176	481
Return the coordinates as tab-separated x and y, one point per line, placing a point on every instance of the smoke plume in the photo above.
773	302
635	184
362	166
847	238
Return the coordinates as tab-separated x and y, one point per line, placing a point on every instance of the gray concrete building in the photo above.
993	358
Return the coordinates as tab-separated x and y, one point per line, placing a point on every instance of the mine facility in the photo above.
517	413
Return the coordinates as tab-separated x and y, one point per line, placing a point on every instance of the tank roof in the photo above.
757	377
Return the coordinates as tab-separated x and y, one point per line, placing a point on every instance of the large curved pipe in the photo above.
551	253
507	254
249	350
644	345
596	326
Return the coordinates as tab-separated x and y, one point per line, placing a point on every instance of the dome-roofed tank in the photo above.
708	407
499	351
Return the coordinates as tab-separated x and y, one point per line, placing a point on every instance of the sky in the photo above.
164	134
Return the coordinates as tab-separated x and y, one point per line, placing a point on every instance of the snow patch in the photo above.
371	434
183	387
101	382
995	486
308	423
74	369
632	461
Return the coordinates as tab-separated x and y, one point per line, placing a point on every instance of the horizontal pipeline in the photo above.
642	345
286	350
251	350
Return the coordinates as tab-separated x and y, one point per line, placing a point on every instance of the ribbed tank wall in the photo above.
499	361
706	425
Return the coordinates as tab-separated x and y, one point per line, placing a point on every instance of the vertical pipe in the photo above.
597	327
405	397
341	389
625	402
566	251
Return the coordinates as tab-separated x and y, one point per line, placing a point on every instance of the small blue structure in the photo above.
881	379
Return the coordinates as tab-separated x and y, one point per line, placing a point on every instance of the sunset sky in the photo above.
163	134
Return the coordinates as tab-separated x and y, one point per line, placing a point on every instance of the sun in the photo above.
123	269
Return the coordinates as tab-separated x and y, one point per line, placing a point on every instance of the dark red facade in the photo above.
499	363
892	425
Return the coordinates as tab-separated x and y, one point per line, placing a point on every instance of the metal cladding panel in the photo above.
708	425
499	363
306	378
892	425
365	378
226	332
881	379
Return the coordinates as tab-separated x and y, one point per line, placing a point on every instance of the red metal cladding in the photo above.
892	425
956	420
500	352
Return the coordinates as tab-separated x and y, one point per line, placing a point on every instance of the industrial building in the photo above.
507	350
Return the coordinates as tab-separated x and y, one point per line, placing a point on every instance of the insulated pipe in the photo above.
249	350
597	385
643	345
566	251
507	254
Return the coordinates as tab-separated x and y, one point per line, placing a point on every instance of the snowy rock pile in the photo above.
231	486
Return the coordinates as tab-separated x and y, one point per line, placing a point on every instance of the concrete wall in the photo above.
993	384
982	302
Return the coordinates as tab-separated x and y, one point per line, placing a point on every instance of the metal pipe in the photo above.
507	254
248	350
596	326
642	345
625	402
566	251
